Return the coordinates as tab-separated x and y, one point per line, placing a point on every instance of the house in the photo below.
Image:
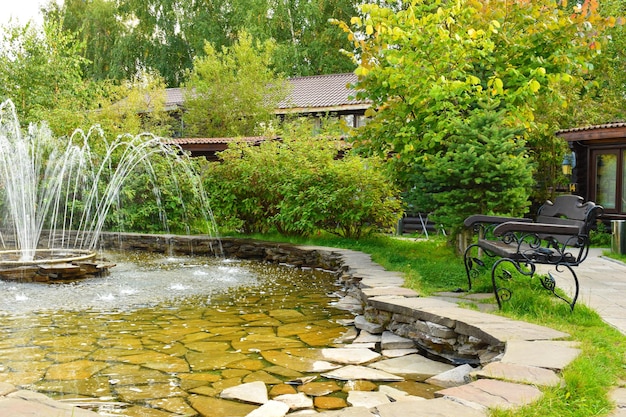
599	165
314	96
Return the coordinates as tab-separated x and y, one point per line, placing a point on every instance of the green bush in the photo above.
297	185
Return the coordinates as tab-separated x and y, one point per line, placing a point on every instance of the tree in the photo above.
469	76
232	91
164	36
41	72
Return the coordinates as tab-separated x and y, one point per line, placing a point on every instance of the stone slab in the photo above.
519	373
491	393
361	323
394	291
391	340
252	392
367	399
415	367
270	409
438	407
355	372
452	378
554	355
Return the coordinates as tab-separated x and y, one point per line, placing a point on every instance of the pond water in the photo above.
164	336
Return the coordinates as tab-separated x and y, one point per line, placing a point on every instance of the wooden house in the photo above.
599	165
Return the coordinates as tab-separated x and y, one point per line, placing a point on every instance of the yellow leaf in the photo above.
369	29
534	86
355	21
498	84
472	33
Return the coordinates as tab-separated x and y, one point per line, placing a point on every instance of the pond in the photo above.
164	336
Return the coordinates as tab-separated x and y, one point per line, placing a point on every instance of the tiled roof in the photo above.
323	92
199	141
593	127
308	94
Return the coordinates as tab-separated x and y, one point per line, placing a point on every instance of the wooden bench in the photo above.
559	237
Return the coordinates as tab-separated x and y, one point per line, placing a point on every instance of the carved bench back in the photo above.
570	210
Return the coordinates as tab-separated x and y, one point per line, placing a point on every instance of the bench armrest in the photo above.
484	219
538	228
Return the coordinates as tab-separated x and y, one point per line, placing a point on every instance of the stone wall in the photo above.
438	339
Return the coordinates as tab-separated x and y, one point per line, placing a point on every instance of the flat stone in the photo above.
618	395
367	399
252	392
281	389
452	378
329	403
355	385
396	353
361	323
491	393
519	373
398	395
397	291
554	355
81	369
415	367
260	342
271	408
354	372
295	401
439	407
319	389
297	363
215	407
21	407
349	356
391	340
346	412
367	337
6	388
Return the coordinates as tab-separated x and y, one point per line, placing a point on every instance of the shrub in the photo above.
298	185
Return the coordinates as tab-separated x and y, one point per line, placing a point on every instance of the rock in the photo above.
270	409
297	363
252	392
367	399
431	408
398	395
367	337
414	367
549	354
355	372
295	401
396	353
319	389
350	356
362	324
329	403
519	373
452	378
392	341
490	393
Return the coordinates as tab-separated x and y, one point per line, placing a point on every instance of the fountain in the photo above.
59	194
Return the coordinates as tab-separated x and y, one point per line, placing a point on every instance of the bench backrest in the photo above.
570	210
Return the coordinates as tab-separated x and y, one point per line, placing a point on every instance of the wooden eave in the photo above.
600	133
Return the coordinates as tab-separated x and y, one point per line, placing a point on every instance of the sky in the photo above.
23	10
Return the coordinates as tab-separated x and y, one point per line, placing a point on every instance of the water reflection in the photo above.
164	334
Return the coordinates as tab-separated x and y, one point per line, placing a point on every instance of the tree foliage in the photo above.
456	87
165	36
231	92
297	185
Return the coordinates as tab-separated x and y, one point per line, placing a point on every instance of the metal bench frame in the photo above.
559	237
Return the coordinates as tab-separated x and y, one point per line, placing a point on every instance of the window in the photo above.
608	182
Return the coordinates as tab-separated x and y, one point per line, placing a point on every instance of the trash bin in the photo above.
618	240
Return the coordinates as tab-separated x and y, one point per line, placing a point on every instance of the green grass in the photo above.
431	265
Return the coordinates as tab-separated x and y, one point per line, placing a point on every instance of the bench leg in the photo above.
499	271
473	263
549	283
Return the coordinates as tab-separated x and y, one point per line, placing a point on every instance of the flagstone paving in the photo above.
534	356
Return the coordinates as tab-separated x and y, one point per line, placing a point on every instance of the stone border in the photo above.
525	354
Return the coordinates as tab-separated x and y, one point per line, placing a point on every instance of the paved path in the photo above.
603	288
